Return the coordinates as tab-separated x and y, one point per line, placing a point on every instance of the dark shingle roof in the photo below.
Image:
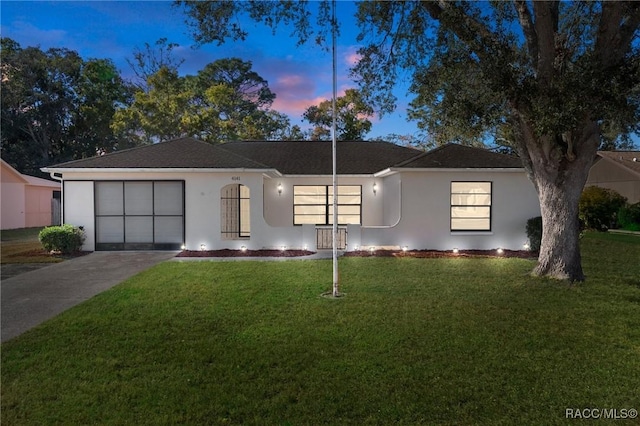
176	153
452	156
315	158
293	158
629	160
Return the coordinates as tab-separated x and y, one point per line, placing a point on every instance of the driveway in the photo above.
33	297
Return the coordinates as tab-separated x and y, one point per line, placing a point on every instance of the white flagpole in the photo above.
333	150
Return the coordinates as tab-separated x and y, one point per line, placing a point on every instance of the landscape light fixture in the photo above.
455	250
203	246
500	251
183	247
372	249
243	248
283	248
526	246
405	248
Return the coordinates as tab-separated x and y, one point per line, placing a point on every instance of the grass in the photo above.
415	341
23	246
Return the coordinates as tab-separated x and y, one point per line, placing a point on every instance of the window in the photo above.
235	217
471	206
314	204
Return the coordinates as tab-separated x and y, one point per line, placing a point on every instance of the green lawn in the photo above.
22	246
415	341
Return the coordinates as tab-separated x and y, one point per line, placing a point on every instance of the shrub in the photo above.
599	207
65	238
534	233
629	217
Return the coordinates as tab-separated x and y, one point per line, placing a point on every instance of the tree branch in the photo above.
526	22
546	25
616	30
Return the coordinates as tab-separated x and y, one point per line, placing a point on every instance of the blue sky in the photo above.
300	76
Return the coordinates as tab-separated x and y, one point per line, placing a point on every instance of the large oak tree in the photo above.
548	77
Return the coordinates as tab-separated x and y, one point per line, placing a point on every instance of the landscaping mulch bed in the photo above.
431	254
523	254
246	253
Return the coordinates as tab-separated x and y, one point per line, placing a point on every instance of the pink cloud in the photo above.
352	57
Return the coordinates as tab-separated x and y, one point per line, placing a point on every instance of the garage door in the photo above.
139	215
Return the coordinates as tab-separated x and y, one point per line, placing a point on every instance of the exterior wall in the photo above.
78	209
202	209
408	208
38	206
13	205
611	176
12	198
425	215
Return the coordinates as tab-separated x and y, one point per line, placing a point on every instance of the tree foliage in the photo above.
226	100
352	114
55	105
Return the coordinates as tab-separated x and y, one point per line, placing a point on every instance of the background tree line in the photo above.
57	106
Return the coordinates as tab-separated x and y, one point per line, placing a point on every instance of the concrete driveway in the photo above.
33	297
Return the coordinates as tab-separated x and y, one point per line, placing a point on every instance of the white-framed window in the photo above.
313	204
235	213
471	206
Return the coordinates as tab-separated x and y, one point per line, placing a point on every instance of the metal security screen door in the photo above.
139	215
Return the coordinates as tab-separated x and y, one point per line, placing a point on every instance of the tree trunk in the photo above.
560	250
558	167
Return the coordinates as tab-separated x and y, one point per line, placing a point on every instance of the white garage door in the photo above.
139	215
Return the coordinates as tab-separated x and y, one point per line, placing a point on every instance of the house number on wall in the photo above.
235	178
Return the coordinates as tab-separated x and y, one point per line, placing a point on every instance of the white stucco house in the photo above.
266	195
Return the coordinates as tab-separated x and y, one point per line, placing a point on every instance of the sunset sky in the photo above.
300	76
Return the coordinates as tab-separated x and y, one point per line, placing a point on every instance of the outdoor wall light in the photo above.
455	250
279	189
526	246
243	248
375	188
500	251
405	248
203	247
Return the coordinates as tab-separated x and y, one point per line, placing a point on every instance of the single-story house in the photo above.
266	195
617	170
27	200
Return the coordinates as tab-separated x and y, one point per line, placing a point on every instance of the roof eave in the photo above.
155	170
456	169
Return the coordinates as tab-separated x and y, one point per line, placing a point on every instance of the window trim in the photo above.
326	205
451	206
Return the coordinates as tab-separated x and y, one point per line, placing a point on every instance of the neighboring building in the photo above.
27	200
279	194
617	170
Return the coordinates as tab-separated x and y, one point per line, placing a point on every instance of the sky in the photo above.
299	76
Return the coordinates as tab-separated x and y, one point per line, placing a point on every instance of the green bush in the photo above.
629	217
65	238
599	207
534	233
